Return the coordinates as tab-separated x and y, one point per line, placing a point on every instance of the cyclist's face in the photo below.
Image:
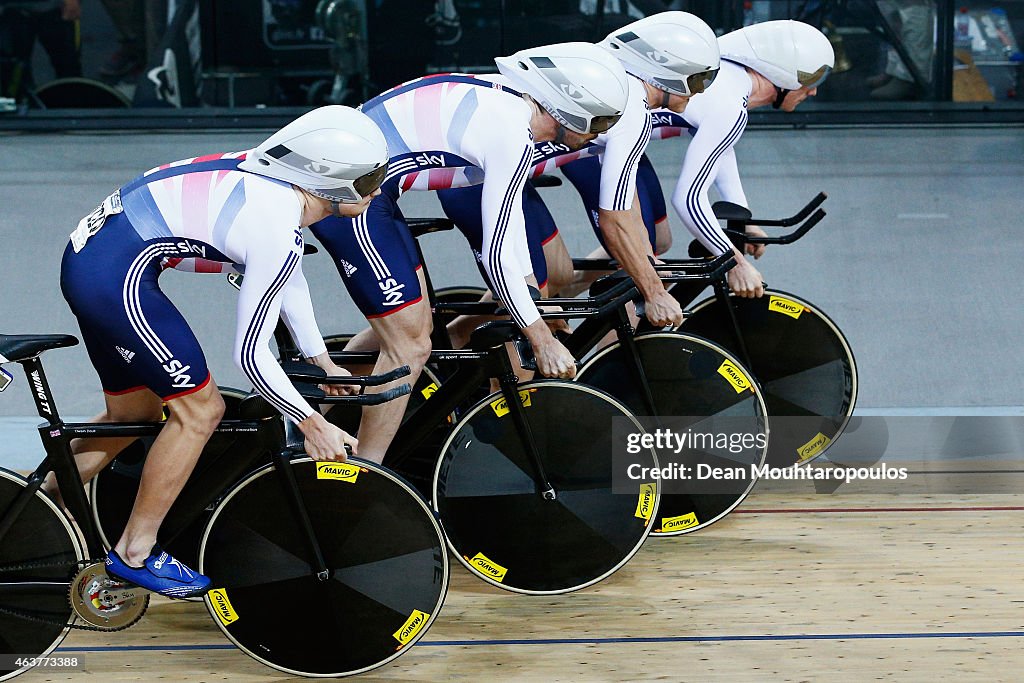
677	103
576	140
353	210
795	97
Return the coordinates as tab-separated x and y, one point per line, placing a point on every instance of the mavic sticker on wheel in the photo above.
678	523
488	567
500	407
816	445
645	505
734	376
222	606
413	625
429	390
337	470
785	307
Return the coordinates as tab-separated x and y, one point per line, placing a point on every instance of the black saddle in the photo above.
17	347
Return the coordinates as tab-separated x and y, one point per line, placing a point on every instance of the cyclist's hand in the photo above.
755	250
554	360
663	310
324	362
556	324
325	441
745	280
333	370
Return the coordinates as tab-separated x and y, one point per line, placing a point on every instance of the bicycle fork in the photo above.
282	463
510	391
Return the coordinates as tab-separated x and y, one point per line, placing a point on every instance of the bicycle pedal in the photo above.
104	602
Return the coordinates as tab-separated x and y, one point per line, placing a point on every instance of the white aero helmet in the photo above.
673	51
582	86
336	153
790	54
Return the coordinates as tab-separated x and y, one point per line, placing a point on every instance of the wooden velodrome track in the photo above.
805	588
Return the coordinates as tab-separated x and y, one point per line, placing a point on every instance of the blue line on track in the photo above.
603	641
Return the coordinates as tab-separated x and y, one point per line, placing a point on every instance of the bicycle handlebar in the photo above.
728	212
782	239
304	372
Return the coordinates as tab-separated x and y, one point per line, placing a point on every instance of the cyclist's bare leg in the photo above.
582	279
462	327
662	236
170	461
559	263
404	339
92	455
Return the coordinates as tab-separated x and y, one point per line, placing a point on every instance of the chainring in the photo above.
106	603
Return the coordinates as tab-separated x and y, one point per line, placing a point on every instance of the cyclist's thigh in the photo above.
134	335
540	230
375	256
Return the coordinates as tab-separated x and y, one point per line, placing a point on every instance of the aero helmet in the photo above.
336	153
788	53
673	51
582	86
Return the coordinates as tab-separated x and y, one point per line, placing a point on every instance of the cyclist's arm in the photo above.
297	315
505	254
727	180
619	216
269	266
716	135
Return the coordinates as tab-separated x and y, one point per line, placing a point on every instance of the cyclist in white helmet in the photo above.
455	129
207	215
778	63
669	56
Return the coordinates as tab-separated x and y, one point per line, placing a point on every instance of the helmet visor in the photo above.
699	82
813	80
367	184
600	124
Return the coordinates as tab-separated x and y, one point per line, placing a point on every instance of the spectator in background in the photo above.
914	22
55	24
129	17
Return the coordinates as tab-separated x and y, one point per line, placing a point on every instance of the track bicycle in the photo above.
351	543
662	373
798	354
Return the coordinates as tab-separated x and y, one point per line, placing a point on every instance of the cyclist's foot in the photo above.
161	574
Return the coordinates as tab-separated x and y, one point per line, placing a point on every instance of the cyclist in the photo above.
669	57
450	129
207	214
780	63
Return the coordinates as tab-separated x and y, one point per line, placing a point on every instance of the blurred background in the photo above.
895	58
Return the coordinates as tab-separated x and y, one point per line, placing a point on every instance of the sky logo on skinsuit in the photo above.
177	371
392	291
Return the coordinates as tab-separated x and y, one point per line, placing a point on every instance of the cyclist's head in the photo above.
336	153
674	51
790	54
582	86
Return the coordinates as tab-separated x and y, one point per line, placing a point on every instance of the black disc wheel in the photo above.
385	578
696	386
498	520
39	555
801	360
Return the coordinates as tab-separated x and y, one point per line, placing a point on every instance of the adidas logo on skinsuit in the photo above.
126	354
347	267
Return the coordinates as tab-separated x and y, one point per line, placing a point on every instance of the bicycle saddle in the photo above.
425	226
16	347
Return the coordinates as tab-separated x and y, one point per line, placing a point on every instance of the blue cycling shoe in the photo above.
161	574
